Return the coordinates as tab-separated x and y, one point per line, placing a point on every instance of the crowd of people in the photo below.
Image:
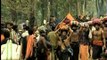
73	41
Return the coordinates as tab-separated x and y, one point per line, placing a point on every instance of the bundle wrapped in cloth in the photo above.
96	21
65	22
10	51
98	42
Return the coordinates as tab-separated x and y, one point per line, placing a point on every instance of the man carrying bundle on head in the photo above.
64	49
74	41
84	41
98	39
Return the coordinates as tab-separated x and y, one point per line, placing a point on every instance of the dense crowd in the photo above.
64	41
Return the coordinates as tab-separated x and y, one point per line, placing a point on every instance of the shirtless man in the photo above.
97	41
74	41
42	46
64	39
105	29
84	42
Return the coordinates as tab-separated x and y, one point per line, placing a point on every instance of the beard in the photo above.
97	28
63	37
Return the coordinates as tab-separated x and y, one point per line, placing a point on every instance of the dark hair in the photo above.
15	27
26	28
74	25
10	23
2	25
41	31
64	30
30	31
6	33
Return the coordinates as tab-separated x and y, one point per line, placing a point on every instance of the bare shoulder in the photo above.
102	30
42	38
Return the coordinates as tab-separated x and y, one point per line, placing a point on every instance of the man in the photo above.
52	23
84	41
30	45
24	40
42	46
9	50
13	35
74	42
25	32
98	40
53	38
64	44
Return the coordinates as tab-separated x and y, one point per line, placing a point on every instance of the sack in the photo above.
10	51
98	42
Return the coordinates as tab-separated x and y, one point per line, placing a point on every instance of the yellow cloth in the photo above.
53	38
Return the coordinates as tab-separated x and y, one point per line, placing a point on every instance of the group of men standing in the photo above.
71	41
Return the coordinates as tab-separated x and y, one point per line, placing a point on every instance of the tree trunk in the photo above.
13	15
31	17
78	7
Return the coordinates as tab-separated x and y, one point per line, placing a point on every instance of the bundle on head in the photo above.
104	19
74	24
66	21
96	21
63	26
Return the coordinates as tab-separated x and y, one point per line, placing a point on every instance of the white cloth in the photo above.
90	33
25	34
10	51
37	38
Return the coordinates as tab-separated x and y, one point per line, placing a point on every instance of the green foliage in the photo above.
21	10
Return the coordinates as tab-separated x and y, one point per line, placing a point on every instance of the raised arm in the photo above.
103	36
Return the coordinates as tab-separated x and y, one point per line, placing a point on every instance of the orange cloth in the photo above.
70	17
84	52
97	42
2	37
30	45
62	23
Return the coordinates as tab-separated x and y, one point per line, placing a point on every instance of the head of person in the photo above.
97	23
9	25
52	19
6	33
30	31
64	32
105	22
42	33
15	28
97	26
74	27
25	27
85	27
5	37
2	25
